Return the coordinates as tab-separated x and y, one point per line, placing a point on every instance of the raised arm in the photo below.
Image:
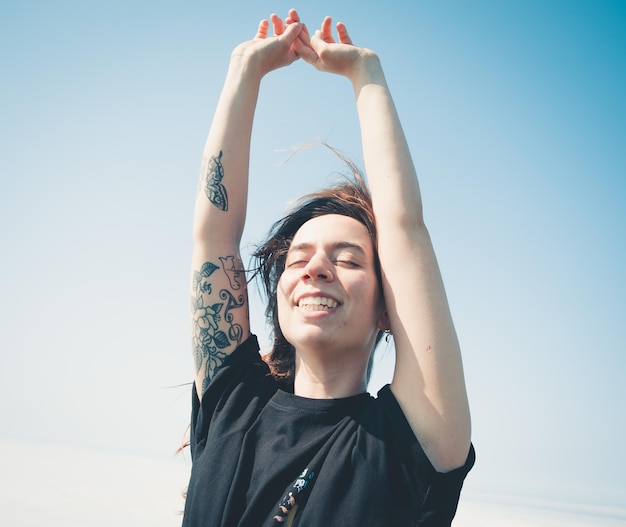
219	300
428	379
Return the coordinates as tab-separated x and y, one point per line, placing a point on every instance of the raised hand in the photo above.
327	54
266	53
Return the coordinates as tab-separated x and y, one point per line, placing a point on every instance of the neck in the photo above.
316	379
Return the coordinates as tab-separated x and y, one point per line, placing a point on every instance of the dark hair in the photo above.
349	197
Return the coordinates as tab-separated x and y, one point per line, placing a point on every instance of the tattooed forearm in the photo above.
212	183
213	325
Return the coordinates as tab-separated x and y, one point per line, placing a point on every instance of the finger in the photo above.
327	30
277	22
316	42
261	32
292	31
305	33
342	32
305	48
304	51
302	45
293	16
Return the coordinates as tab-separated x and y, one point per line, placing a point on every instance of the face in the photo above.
328	295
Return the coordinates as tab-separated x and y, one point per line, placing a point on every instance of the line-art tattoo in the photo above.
215	191
234	330
228	264
208	339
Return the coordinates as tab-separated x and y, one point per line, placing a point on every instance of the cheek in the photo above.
369	296
283	307
283	290
286	283
365	287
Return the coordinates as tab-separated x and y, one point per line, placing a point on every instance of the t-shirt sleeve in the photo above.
437	492
243	375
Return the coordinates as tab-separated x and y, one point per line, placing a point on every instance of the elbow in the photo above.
411	222
451	454
201	235
215	232
452	460
448	448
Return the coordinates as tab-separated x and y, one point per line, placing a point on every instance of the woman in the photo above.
297	440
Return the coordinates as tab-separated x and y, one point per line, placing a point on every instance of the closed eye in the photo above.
297	263
348	263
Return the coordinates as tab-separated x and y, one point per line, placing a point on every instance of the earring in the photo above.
387	335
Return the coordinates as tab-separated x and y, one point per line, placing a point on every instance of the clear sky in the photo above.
515	114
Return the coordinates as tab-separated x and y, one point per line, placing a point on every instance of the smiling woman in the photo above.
284	255
296	437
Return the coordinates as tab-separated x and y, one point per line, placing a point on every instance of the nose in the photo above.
318	267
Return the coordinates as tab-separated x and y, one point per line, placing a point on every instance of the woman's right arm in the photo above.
219	299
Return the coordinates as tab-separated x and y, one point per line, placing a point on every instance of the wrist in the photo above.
368	70
243	66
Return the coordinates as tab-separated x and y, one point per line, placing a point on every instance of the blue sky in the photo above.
515	114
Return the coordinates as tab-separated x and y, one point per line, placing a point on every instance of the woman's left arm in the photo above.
428	380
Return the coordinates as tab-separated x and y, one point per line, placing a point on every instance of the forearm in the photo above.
388	163
222	193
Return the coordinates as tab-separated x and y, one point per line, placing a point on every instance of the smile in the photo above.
317	303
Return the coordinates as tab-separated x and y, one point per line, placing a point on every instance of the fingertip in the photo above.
293	14
262	29
342	31
327	28
341	28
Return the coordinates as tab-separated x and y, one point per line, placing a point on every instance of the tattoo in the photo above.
208	339
215	191
228	264
234	330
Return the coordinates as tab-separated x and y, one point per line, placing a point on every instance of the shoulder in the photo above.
388	422
243	369
384	418
239	390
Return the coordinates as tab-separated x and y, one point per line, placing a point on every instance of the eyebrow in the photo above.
337	245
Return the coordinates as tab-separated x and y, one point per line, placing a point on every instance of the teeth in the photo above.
317	302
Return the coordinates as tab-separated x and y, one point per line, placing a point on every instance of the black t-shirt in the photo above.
258	450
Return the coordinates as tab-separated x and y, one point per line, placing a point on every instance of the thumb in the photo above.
317	42
291	33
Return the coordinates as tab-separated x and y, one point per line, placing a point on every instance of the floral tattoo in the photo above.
209	336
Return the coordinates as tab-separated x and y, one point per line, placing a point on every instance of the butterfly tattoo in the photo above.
215	191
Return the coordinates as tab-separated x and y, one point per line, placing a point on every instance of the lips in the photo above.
317	303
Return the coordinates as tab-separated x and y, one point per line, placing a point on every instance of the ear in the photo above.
383	323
